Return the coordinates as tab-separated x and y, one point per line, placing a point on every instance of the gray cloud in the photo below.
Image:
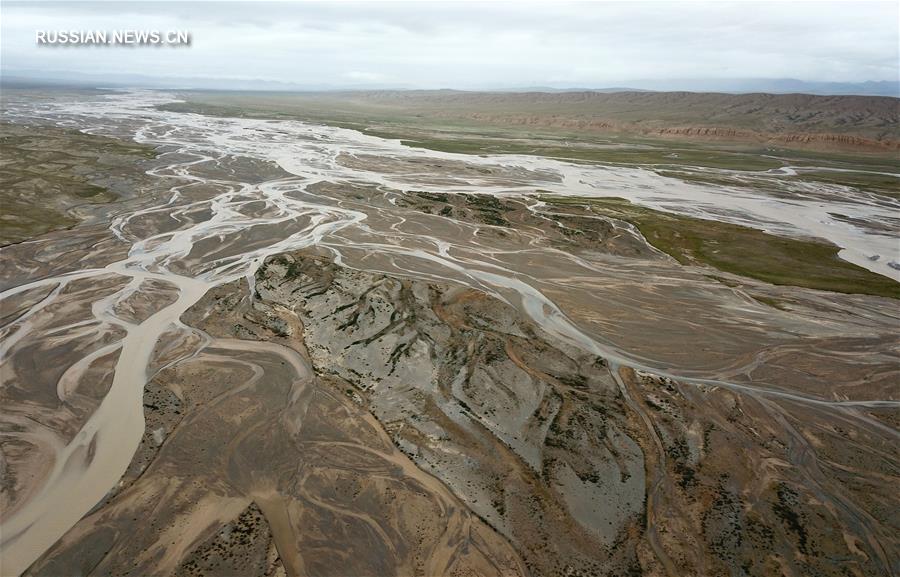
472	44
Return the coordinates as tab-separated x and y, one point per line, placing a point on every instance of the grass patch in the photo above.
741	250
636	155
878	183
774	303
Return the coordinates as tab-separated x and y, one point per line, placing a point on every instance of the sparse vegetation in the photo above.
785	510
47	171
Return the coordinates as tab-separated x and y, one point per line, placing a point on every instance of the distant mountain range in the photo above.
729	85
771	86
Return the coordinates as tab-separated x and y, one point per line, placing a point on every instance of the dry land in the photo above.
52	177
281	349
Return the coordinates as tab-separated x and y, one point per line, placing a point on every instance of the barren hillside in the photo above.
787	117
794	120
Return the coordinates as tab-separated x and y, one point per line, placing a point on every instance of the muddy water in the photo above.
220	221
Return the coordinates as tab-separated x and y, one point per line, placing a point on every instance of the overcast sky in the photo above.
471	45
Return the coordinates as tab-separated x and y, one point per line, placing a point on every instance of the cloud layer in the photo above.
471	45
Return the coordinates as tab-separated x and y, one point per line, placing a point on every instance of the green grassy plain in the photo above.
741	250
